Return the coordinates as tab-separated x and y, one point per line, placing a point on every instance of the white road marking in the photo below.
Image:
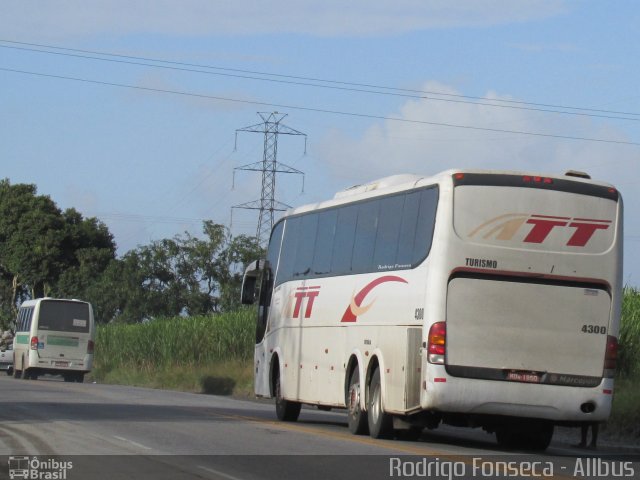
136	444
220	474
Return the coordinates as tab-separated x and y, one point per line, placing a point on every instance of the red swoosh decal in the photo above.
349	316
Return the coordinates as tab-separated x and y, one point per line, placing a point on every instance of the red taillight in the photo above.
536	179
34	343
90	346
437	343
611	356
458	176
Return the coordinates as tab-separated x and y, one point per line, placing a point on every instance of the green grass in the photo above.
229	377
625	414
629	336
210	354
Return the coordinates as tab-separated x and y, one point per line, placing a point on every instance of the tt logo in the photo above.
506	226
302	293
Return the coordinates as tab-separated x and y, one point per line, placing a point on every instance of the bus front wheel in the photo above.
380	423
286	410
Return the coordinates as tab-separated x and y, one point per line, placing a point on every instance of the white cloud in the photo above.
63	18
389	147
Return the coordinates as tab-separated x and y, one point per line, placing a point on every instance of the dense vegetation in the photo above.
629	336
47	252
625	417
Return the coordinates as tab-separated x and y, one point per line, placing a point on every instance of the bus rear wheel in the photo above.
528	436
380	423
286	410
357	418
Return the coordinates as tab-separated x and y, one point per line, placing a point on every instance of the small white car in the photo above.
6	358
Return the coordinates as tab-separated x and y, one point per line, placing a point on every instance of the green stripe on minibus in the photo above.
62	341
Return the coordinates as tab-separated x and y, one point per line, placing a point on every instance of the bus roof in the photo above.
402	182
30	303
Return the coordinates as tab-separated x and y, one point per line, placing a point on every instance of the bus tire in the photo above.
80	377
541	439
286	410
380	423
357	418
17	373
25	371
536	437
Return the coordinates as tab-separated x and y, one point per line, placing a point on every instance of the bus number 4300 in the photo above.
594	329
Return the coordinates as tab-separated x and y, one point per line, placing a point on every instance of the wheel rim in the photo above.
375	403
354	399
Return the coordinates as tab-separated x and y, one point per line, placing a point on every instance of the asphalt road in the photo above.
110	431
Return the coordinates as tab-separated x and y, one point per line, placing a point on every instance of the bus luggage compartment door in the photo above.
528	332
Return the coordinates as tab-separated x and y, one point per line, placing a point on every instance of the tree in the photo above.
44	251
87	248
185	275
30	236
40	246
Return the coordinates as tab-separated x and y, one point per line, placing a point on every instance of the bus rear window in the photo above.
64	316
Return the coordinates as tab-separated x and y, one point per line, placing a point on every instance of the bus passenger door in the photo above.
262	356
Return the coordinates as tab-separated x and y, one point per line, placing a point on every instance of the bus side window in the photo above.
29	318
23	318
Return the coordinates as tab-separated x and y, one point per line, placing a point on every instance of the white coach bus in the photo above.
471	298
54	336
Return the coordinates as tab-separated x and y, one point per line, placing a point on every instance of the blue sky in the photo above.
152	165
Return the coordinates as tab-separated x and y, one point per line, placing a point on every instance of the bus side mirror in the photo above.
249	282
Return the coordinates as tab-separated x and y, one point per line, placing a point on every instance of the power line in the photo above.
332	84
322	110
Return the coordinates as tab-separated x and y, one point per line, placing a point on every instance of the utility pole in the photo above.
269	166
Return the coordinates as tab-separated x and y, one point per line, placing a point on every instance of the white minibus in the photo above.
472	298
54	336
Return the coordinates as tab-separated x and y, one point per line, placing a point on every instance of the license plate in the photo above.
526	377
61	364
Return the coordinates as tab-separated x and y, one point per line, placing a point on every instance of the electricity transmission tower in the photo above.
269	166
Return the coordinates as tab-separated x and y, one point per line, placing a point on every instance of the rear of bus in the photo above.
62	338
533	297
